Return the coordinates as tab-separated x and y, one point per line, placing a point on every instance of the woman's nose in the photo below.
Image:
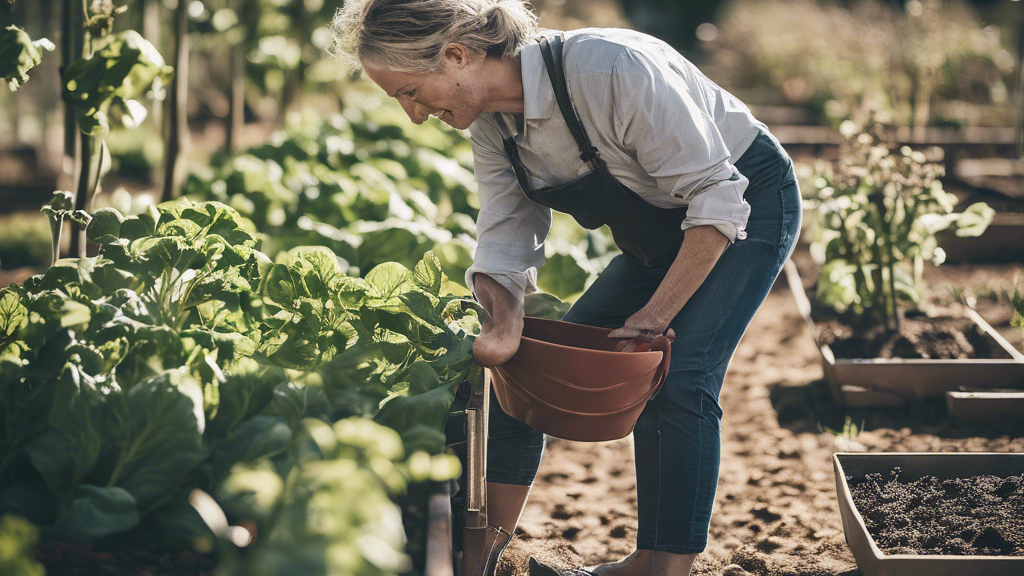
416	111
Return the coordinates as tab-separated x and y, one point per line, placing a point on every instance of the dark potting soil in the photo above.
62	559
975	516
918	337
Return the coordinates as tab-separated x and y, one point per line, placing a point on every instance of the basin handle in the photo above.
664	345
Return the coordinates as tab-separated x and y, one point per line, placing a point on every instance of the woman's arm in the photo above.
500	332
510	246
701	249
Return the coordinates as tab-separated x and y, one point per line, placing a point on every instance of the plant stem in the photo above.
177	113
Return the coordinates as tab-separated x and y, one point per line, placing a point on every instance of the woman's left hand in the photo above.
641	328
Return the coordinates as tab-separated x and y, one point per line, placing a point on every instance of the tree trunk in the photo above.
176	121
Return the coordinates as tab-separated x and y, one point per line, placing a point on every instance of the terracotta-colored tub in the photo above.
567	381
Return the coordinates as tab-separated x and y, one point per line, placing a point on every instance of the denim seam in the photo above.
657	514
700	454
786	220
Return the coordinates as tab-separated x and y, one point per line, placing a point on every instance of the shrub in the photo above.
879	210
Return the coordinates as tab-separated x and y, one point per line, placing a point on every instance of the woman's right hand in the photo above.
502	329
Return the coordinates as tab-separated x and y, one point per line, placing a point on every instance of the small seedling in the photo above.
849	431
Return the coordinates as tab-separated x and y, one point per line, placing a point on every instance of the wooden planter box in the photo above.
877	383
1002	241
985	406
871	560
427	516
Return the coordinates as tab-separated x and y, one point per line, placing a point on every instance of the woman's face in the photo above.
451	93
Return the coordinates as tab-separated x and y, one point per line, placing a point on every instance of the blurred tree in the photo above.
674	21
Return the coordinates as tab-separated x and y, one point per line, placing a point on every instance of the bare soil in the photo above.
941	329
974	516
776	511
921	337
62	559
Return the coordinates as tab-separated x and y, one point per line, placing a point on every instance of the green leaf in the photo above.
562	274
12	316
252	491
419	437
419	398
135	227
18	540
974	220
162	437
19	54
97	512
428	275
68	451
125	67
75	314
544	305
28	498
105	226
257	437
294	402
389	279
175	526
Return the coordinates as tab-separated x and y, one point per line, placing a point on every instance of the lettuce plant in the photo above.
331	511
130	378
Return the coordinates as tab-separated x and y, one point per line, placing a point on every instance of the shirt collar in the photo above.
538	95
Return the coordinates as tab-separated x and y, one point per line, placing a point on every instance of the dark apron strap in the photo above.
513	157
552	53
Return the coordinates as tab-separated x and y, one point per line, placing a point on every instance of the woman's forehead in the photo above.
389	80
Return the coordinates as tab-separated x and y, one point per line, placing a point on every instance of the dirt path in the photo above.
776	511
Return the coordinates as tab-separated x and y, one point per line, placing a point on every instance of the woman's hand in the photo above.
502	330
641	328
701	249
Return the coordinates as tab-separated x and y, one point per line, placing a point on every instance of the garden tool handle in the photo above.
477	410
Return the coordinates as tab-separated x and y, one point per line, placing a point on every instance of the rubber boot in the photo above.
496	540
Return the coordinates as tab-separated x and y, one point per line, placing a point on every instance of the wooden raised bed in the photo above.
985	406
871	560
876	382
1002	241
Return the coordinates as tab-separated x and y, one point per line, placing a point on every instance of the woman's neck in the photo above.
503	78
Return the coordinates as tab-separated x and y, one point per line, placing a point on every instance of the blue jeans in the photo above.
677	438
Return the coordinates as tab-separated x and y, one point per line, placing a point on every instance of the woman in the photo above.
613	127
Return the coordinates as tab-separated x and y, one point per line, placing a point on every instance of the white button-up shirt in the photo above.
666	131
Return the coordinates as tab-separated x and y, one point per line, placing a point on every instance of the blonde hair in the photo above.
411	35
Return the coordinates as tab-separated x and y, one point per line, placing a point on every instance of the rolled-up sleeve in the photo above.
511	229
677	143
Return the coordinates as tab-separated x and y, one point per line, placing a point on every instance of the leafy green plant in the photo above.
331	511
879	212
849	431
1017	300
121	68
102	84
60	207
128	379
18	539
19	54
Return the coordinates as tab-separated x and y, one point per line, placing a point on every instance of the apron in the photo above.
648	235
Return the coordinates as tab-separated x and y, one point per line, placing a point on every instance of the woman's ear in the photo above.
458	55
